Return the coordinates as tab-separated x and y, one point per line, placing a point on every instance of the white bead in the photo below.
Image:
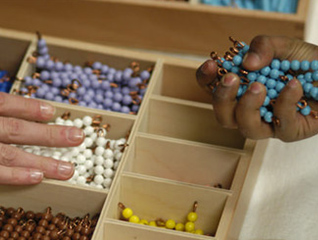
71	181
59	121
88	130
93	184
63	150
101	141
37	152
56	157
98	169
65	158
99	151
75	174
56	153
88	153
108	163
81	169
81	180
87	120
108	173
48	153
112	144
80	159
98	179
75	151
78	123
69	122
28	149
107	182
108	153
88	164
82	147
118	156
116	165
98	160
88	142
119	144
86	175
99	186
102	132
93	136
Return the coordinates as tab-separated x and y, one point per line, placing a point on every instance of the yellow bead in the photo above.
144	222
179	227
189	226
152	223
127	213
134	219
192	216
198	231
170	224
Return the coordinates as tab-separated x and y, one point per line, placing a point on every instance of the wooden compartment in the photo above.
187	27
156	198
182	161
188	122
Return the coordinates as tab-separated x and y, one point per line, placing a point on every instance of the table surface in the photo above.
284	204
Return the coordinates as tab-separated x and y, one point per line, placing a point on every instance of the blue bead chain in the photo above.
274	77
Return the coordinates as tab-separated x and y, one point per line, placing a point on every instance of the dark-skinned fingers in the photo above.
263	49
13	157
25	108
17	131
224	100
248	115
19	176
206	75
292	125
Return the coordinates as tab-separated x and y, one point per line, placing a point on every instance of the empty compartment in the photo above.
106	86
182	161
114	230
179	81
12	53
188	122
153	198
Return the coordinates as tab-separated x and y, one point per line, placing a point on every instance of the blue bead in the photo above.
272	93
279	86
262	111
315	75
307	87
266	101
313	92
275	64
245	48
237	60
239	92
271	83
274	73
308	77
268	117
305	65
302	81
261	79
265	70
295	65
235	69
226	64
251	76
314	65
285	65
305	111
290	77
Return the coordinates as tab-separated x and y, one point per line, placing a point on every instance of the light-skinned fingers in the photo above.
206	75
248	115
19	176
25	108
263	49
224	100
17	131
13	157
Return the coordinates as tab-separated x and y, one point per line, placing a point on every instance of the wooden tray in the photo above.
176	152
184	27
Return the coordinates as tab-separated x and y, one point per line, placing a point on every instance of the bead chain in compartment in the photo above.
96	159
95	85
127	214
22	225
5	81
274	77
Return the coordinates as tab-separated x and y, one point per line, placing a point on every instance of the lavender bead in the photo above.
127	74
82	104
95	84
105	85
104	69
81	91
77	69
125	109
65	82
97	65
86	83
92	105
40	93
126	100
55	90
59	66
117	97
108	102
28	81
36	82
134	108
144	75
68	67
49	96
116	107
43	50
109	94
40	62
49	64
134	82
56	82
45	75
99	98
118	76
111	70
87	70
58	98
99	91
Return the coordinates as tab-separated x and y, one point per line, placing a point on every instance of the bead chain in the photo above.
274	77
5	81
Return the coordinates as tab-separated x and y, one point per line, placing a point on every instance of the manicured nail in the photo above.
228	80
255	88
47	110
65	169
36	176
74	134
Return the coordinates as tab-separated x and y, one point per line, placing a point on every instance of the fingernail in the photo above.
228	80
252	58
292	83
65	169
205	67
74	134
255	88
47	110
36	176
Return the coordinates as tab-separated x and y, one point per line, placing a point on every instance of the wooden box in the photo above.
184	27
177	152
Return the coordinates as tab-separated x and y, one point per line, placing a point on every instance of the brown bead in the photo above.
76	236
8	227
2	238
51	227
10	211
43	223
25	234
54	234
84	237
78	228
30	215
36	236
4	234
85	230
66	238
12	221
21	238
16	215
14	235
40	229
45	237
29	227
55	220
18	228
